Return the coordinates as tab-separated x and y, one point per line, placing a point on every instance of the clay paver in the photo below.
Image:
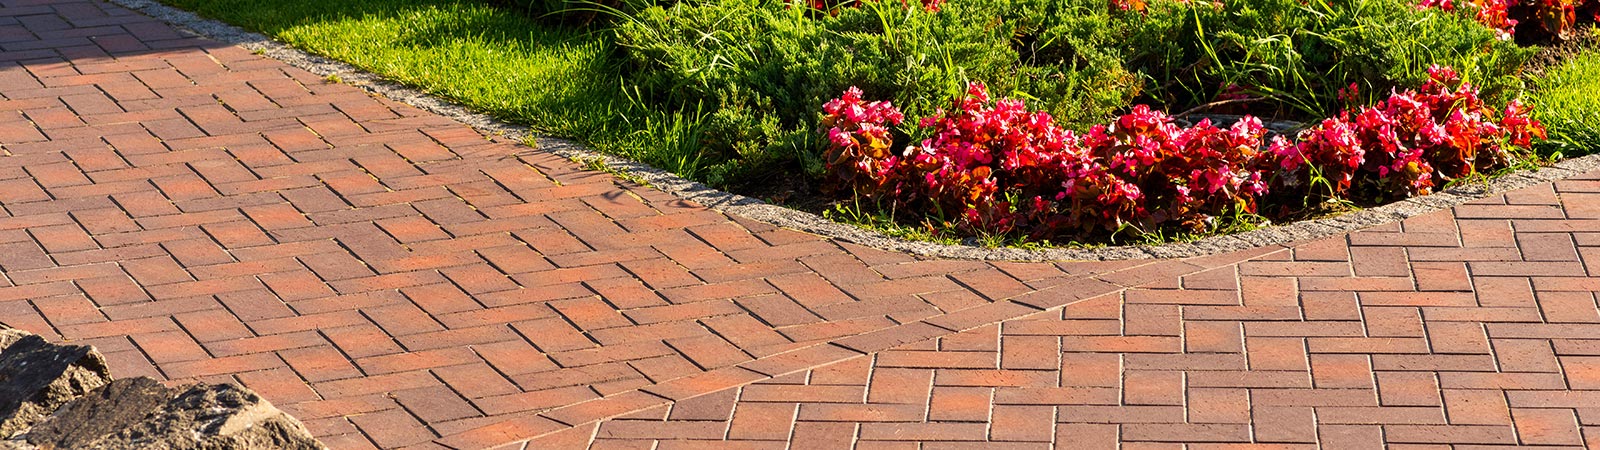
397	280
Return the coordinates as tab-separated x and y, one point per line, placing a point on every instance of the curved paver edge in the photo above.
756	209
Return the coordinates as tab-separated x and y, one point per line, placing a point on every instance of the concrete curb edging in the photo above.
756	209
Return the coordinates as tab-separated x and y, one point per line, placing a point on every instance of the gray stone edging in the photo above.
752	208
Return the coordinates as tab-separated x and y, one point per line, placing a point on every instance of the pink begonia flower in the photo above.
1145	170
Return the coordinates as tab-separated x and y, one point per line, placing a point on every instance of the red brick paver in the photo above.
1439	330
396	280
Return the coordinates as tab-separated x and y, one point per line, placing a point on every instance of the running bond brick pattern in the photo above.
396	280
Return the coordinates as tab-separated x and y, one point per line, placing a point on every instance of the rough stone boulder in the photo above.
105	411
140	413
36	377
81	408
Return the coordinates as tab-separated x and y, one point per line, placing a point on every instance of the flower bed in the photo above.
1098	156
1526	19
993	167
1082	61
729	92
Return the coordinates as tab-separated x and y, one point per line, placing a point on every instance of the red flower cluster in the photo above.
1555	18
1494	14
1406	145
1187	176
858	135
994	167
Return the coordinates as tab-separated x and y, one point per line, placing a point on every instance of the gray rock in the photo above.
55	396
83	422
141	413
36	377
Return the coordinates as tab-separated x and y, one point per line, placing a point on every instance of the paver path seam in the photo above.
202	213
397	280
1476	327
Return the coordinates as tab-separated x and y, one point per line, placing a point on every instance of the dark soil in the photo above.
1553	55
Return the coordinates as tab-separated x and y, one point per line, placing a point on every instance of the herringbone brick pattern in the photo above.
397	280
387	275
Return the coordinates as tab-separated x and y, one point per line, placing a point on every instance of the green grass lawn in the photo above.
1568	103
493	60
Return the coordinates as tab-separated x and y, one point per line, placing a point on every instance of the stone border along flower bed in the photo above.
747	207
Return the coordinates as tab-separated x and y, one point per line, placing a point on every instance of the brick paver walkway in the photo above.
396	280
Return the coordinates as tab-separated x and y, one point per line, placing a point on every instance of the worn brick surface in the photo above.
397	280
